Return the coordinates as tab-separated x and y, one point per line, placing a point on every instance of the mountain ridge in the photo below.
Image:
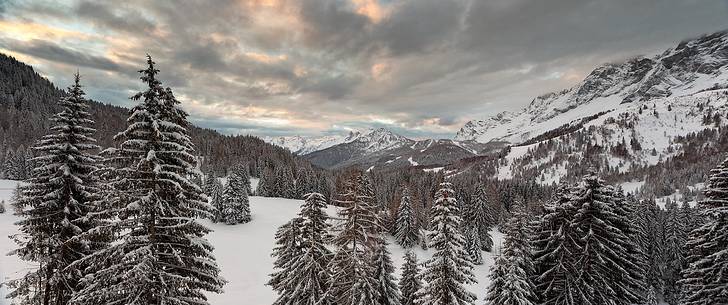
693	65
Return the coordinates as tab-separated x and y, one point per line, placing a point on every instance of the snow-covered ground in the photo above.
243	251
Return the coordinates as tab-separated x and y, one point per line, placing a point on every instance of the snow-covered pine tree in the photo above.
264	188
353	279
605	270
675	239
650	241
410	284
309	278
472	243
625	220
213	189
55	205
704	279
235	205
482	217
406	229
651	298
423	239
449	269
384	275
160	255
284	182
287	248
242	172
555	245
513	270
2	206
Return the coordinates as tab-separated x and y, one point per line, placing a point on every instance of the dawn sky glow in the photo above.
282	67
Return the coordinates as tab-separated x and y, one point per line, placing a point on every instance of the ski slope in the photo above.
242	251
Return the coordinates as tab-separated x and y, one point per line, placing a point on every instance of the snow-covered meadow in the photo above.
243	251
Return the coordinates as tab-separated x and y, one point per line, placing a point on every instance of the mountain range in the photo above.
676	81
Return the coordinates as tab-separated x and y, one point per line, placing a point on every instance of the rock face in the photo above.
690	67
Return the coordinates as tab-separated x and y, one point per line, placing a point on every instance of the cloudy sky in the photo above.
282	67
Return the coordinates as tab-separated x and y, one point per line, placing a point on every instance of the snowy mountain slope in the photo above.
625	140
302	145
370	140
242	251
425	153
690	67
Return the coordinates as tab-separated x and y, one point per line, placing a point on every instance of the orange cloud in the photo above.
381	71
31	30
371	9
265	58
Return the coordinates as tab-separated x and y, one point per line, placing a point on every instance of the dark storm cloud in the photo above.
51	51
426	66
129	21
419	25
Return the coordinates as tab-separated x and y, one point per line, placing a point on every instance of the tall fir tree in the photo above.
384	275
160	255
410	283
353	279
214	190
310	277
242	172
675	239
705	278
511	276
449	269
56	204
606	272
472	243
288	239
235	203
555	247
406	229
480	215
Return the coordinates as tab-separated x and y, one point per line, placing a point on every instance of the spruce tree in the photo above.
235	205
384	275
288	240
55	206
160	255
481	216
406	229
242	172
513	270
264	188
287	248
358	234
555	248
309	277
410	284
472	244
449	269
605	269
704	280
675	240
214	190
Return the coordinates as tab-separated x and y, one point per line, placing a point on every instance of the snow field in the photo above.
242	251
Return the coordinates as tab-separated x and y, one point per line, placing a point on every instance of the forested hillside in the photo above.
27	101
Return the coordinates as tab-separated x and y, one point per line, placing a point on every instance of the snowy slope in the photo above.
655	124
371	139
242	251
690	67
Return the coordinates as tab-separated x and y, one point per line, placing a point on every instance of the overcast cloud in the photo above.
281	67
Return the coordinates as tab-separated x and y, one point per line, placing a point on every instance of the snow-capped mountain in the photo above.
371	140
302	145
690	67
